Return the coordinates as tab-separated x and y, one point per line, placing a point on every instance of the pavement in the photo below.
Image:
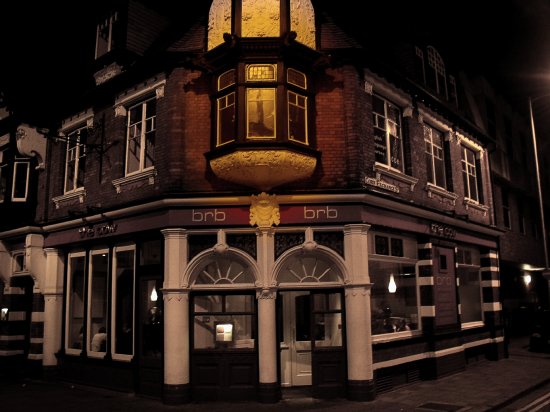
485	386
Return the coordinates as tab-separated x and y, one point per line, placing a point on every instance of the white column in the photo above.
53	306
267	336
358	313
176	308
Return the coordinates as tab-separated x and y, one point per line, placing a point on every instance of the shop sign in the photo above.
442	230
97	230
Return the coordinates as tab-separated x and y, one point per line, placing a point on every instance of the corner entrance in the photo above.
311	338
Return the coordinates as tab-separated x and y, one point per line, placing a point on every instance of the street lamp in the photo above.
546	271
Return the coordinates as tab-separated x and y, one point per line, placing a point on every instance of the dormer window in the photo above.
105	35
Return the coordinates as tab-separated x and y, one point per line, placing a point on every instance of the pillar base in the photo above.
176	394
269	393
361	391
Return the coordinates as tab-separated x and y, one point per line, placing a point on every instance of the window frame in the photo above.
80	155
387	133
113	326
432	156
109	23
467	176
69	302
143	122
459	265
90	298
27	164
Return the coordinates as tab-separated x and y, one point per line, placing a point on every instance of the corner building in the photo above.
249	203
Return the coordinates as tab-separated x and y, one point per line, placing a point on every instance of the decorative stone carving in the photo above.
369	87
302	21
120	111
219	22
31	143
159	91
261	18
408	111
264	211
107	73
263	169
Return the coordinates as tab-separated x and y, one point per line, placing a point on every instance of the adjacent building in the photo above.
248	200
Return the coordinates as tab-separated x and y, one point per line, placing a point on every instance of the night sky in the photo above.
46	48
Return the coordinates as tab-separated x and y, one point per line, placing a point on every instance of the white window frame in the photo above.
89	293
118	356
68	305
304	108
387	135
26	162
142	138
79	153
432	179
436	62
464	162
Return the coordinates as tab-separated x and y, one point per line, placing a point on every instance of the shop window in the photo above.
76	293
394	294
388	141
97	301
469	285
223	322
140	137
327	319
151	307
75	159
123	284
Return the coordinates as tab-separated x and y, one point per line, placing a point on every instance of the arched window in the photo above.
309	268
226	269
435	75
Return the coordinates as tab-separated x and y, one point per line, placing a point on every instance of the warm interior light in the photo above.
4	314
154	295
392	287
527	279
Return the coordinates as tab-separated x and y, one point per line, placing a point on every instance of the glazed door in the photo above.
150	336
296	343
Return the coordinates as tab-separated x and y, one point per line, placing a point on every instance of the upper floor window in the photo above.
3	173
388	144
105	35
21	176
263	111
470	174
435	158
436	72
75	160
506	218
140	141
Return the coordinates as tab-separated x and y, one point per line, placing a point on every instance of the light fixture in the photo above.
4	314
154	295
392	287
527	279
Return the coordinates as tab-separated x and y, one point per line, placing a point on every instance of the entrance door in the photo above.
312	347
296	343
150	336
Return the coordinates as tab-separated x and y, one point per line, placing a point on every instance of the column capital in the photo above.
174	233
356	229
266	293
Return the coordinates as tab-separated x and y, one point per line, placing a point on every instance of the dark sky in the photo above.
46	46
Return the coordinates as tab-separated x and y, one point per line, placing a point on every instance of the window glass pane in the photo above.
226	79
260	72
297	121
382	246
394	299
211	303
260	113
296	78
97	336
76	270
469	294
326	302
20	180
140	143
328	329
226	119
123	291
151	318
239	303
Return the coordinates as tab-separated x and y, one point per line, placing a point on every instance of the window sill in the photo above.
444	193
469	203
148	175
472	325
79	194
390	337
382	169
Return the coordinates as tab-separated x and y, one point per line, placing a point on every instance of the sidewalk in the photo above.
484	386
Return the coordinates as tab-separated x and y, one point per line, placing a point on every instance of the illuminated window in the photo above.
388	145
297	117
260	110
261	72
226	119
